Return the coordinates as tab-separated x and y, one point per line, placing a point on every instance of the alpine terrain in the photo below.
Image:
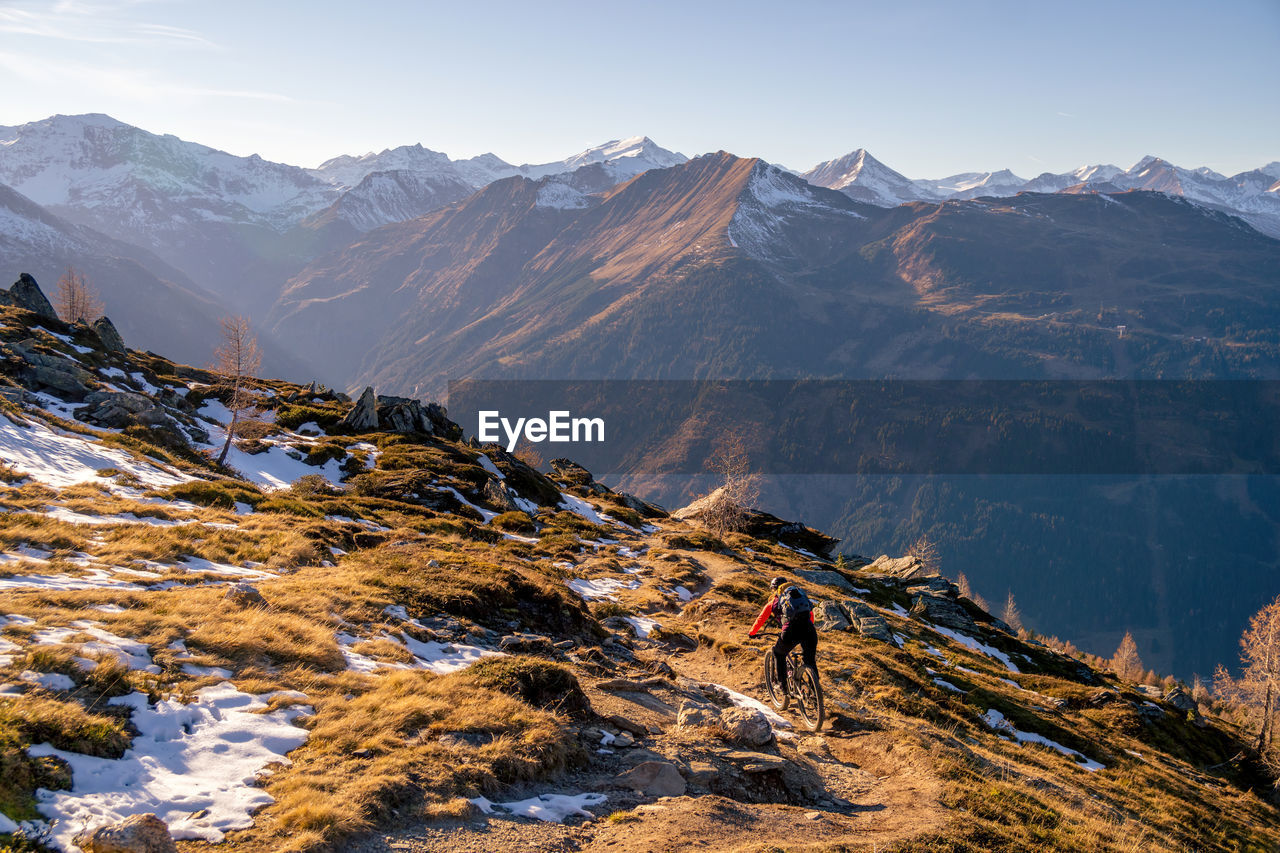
364	633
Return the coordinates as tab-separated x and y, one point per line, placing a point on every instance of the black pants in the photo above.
799	631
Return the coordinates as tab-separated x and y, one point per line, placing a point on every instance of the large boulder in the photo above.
653	779
364	417
902	568
25	293
866	621
941	610
935	584
746	726
141	833
119	409
827	577
830	616
1178	698
111	340
47	370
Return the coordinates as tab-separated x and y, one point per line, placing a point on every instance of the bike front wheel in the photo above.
809	698
777	696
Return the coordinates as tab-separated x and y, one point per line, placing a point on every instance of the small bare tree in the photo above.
1012	614
926	551
76	299
237	361
1126	662
739	488
1260	683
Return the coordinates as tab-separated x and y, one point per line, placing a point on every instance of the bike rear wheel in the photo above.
777	696
809	697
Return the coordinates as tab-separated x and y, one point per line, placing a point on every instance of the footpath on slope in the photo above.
845	785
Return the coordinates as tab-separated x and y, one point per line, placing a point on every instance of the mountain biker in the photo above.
795	613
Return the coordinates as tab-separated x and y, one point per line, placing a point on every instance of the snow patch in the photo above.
976	645
995	720
187	760
554	808
62	460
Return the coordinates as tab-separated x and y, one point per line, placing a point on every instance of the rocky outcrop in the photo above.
111	340
827	578
1178	698
866	621
142	833
119	409
793	534
399	414
496	495
830	616
364	417
902	568
38	369
26	294
943	610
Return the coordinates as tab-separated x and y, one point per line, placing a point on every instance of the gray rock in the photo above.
244	595
746	726
25	293
1178	698
495	492
654	779
902	568
935	584
694	716
142	833
941	610
111	340
627	725
402	414
48	370
120	409
875	628
527	644
827	578
867	621
830	616
364	416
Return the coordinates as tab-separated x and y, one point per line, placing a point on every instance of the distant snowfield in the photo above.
187	760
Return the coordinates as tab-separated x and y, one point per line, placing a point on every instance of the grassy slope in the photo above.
377	757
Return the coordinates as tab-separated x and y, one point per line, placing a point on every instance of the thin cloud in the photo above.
92	22
1066	115
121	82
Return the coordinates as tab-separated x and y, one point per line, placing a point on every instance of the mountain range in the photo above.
1253	195
406	269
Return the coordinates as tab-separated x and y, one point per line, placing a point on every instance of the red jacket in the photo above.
763	618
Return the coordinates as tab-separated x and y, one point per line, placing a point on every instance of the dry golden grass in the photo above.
330	793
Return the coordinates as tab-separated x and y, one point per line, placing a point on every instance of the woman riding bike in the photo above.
795	613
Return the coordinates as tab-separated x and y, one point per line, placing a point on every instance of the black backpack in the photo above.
793	602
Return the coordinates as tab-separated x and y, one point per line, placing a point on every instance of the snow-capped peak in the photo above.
864	178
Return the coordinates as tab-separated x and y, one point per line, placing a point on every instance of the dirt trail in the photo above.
879	791
845	786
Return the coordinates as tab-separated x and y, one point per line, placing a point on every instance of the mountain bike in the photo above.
802	685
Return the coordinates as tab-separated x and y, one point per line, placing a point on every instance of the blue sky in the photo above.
930	88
